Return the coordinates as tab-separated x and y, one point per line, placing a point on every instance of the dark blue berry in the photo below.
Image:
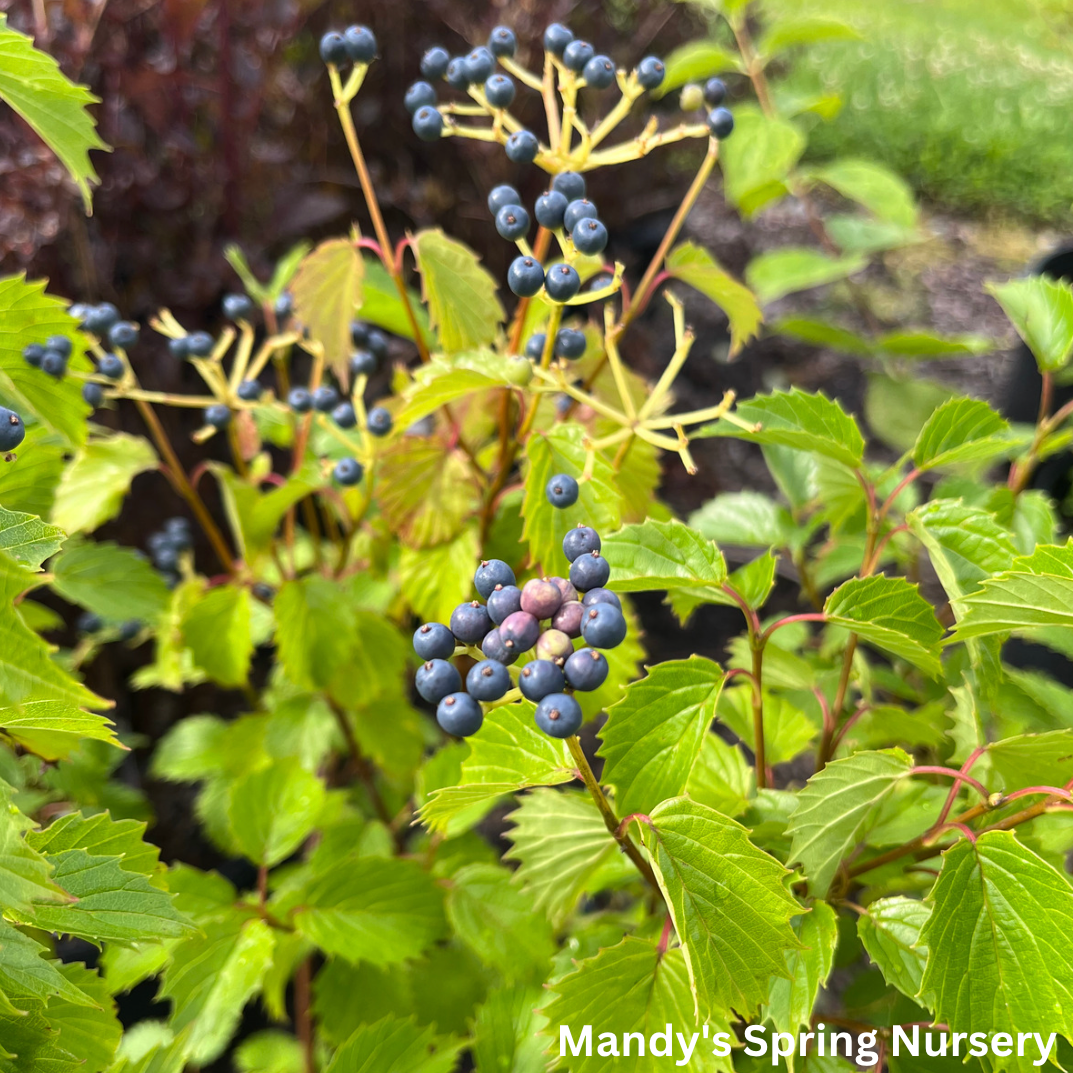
379	421
435	679
487	680
590	571
570	344
333	48
512	222
589	236
32	354
721	122
177	530
434	63
503	601
585	670
428	123
130	629
579	209
325	398
110	365
263	592
123	335
217	415
459	715
457	74
502	41
535	347
166	557
540	678
299	400
434	641
249	390
470	622
600	596
580	541
559	715
501	197
100	318
54	363
525	276
12	430
651	72
363	363
179	347
480	63
577	54
359	333
494	648
199	344
348	471
490	573
562	282
237	307
343	415
562	491
283	306
78	311
499	91
89	623
715	92
520	631
419	95
599	72
550	208
522	147
556	38
569	183
376	341
60	343
603	625
93	394
360	44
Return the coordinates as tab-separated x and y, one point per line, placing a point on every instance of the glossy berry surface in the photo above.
553	645
562	282
92	393
379	421
541	598
503	601
53	363
502	41
237	307
60	343
249	390
434	640
534	348
501	196
489	574
434	63
599	72
499	91
580	541
488	680
559	715
540	678
470	622
12	430
89	623
585	670
344	416
348	471
299	400
32	354
218	416
522	147
376	343
428	123
603	626
360	44
460	715
589	236
333	48
123	335
494	648
549	209
651	72
566	590
179	348
359	333
570	184
570	344
525	276
457	74
568	618
589	572
577	54
419	95
556	38
520	631
283	306
715	92
562	491
325	398
512	222
436	678
199	344
110	365
579	209
363	363
100	318
601	596
480	63
721	122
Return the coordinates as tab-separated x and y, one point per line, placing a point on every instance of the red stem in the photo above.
933	769
906	480
811	616
952	796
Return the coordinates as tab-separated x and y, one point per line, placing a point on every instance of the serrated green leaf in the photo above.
102	836
885	194
505	1032
272	810
1014	601
91	1031
757	161
113	582
890	614
1033	759
790	1001
663	555
1041	310
30	485
789	269
653	735
787	730
254	515
721	778
327	289
836	808
25	875
444	381
727	900
382	306
695	61
785	33
27	977
962	430
436	580
751	519
890	932
53	729
216	629
27	539
393	1045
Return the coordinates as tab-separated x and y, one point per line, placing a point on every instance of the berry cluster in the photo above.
544	616
167	544
356	45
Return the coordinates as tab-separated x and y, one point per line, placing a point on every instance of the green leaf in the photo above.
890	933
804	30
27	977
114	582
1033	759
90	1030
32	83
210	979
897	407
891	614
216	629
327	289
562	449
747	518
797	268
101	835
797	419
721	778
1000	940
505	1028
694	62
821	333
1014	601
270	1051
787	730
694	265
962	430
663	555
1041	310
925	344
93	486
52	729
393	1045
882	192
758	159
561	842
254	516
444	381
460	292
727	900
30	484
653	735
382	306
25	875
27	539
436	580
790	1001
273	810
836	808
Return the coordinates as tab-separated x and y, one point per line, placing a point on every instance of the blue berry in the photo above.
428	124
494	648
32	354
60	343
249	390
480	64
363	363
559	715
571	184
577	54
12	430
525	276
434	641
579	209
503	601
650	72
89	623
501	197
360	44
585	670
580	541
599	72
603	625
549	209
177	530
589	236
534	348
556	38
325	398
218	416
333	48
100	318
299	400
343	415
470	622
522	147
601	596
502	41
283	306
715	92
179	347
520	631
459	715
541	598
379	421
419	95
348	471
590	571
110	365
540	678
130	629
562	282
562	491
237	307
721	122
54	363
123	334
434	63
376	342
499	91
457	74
435	679
490	573
199	344
487	680
93	394
570	344
359	333
166	557
78	310
512	222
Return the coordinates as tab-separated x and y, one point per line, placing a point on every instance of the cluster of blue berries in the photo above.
356	44
545	616
90	623
167	544
710	97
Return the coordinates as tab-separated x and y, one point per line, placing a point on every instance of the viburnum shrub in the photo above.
862	784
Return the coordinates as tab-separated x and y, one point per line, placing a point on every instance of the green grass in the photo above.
970	100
